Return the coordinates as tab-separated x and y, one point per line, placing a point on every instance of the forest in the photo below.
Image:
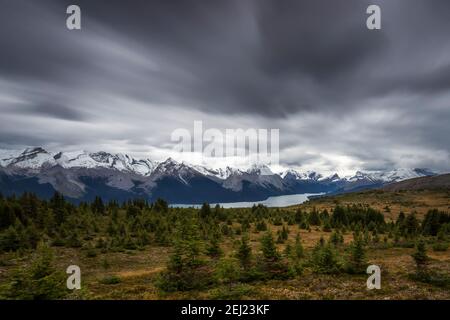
142	250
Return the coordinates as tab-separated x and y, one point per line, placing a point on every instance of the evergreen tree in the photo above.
336	238
287	250
132	211
272	266
327	226
205	211
261	226
339	217
73	240
184	268
298	216
282	235
400	219
227	271
367	237
433	221
10	239
324	258
7	217
160	206
244	253
314	218
38	281
357	259
214	249
410	225
245	225
295	255
298	250
98	206
176	262
268	248
421	258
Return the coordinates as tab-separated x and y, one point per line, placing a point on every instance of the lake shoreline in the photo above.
272	202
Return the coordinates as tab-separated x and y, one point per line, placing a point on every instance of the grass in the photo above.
419	201
110	280
132	274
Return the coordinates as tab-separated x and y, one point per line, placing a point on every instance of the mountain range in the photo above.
82	175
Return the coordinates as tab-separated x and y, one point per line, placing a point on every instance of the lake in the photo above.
278	201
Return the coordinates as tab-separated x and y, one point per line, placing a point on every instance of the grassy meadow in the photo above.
317	250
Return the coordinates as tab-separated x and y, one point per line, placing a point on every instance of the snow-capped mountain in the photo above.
334	178
30	158
257	175
296	175
37	158
395	175
174	169
121	162
260	169
82	175
219	173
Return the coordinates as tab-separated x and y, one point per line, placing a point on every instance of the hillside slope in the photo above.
422	183
413	195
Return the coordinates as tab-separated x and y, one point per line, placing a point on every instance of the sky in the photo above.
343	97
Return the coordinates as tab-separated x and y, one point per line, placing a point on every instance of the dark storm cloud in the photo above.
311	68
429	82
227	56
49	109
221	56
57	111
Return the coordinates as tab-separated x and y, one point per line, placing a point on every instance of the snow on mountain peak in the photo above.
32	158
394	175
403	174
7	156
334	177
308	175
35	158
170	166
260	169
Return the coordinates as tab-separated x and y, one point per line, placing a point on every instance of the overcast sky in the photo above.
344	97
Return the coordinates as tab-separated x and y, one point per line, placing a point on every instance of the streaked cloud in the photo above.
344	98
